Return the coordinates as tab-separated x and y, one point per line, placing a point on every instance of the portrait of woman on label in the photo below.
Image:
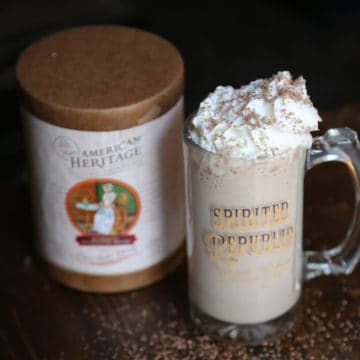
104	218
102	207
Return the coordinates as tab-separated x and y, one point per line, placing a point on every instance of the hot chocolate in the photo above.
245	171
246	254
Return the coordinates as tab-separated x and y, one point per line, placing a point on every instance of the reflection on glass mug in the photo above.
244	219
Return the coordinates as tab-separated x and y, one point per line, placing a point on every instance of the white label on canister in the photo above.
107	202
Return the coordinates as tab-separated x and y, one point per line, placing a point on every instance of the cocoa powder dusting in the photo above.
144	325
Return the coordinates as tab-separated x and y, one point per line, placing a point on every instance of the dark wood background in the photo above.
222	43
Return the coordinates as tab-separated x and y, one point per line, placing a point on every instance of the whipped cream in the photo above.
265	118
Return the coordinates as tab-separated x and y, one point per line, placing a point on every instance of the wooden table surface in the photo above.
40	319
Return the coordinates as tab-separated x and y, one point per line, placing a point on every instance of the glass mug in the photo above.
246	263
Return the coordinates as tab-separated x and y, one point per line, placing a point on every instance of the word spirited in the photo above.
243	218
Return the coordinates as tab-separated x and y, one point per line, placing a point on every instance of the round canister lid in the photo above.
100	77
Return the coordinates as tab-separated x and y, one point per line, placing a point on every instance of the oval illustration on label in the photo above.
104	209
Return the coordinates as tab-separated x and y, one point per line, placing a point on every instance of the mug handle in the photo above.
337	145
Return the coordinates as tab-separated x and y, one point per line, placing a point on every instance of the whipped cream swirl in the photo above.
265	118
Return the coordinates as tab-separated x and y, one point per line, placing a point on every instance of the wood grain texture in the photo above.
40	319
89	78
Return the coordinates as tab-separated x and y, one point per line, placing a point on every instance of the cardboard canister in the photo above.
103	108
